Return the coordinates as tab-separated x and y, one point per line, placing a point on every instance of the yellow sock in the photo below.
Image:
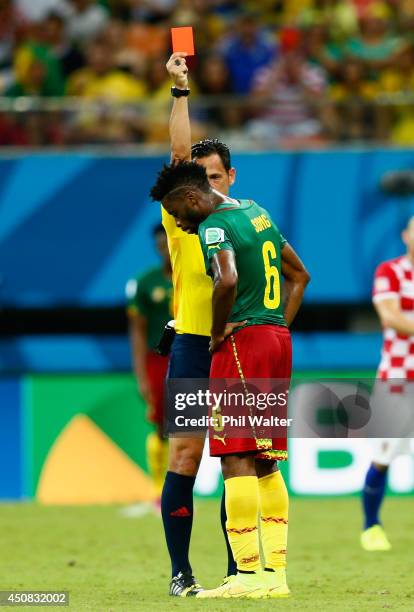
274	509
157	452
242	508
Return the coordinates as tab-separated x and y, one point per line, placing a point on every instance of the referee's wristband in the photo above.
179	93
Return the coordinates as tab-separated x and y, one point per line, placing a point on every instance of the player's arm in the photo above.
138	340
296	277
180	129
391	315
223	266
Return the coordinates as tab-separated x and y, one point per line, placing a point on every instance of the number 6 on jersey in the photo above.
271	272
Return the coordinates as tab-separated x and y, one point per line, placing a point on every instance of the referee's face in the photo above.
217	175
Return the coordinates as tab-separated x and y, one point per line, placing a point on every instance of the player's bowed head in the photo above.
185	193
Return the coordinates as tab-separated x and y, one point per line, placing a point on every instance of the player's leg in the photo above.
274	499
242	507
157	457
190	358
373	493
274	510
156	444
177	510
177	503
373	537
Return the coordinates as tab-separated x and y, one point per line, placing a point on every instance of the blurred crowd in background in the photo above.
266	74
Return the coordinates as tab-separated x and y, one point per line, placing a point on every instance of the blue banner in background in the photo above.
74	227
77	353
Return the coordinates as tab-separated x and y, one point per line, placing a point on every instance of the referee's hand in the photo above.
178	70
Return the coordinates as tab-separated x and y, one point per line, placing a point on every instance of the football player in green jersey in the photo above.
247	257
149	308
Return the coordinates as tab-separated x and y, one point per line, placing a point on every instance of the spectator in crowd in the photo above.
147	40
10	20
124	57
320	49
86	20
288	92
54	34
37	72
246	52
101	80
214	76
376	45
214	80
227	118
353	98
399	79
11	25
340	16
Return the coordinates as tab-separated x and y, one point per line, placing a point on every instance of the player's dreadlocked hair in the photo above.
209	146
181	174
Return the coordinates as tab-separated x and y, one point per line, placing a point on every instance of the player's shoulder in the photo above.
215	219
151	275
391	266
143	278
211	232
255	208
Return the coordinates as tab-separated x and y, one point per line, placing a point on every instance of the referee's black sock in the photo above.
177	516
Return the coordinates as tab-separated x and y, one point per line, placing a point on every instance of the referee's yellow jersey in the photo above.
192	286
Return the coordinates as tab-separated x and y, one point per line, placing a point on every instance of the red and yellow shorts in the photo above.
254	352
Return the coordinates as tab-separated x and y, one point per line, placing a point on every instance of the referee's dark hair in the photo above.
210	146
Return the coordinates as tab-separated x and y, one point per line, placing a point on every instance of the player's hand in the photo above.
217	340
178	70
230	327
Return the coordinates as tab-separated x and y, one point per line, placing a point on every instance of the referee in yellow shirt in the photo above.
190	357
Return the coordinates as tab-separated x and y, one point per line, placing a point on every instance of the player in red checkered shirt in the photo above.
393	297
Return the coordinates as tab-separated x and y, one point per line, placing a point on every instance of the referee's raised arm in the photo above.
180	129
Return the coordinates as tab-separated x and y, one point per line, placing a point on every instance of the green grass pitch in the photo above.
110	563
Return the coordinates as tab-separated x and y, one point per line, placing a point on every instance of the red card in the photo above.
183	40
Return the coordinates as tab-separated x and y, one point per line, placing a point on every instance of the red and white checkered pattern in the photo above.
395	279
